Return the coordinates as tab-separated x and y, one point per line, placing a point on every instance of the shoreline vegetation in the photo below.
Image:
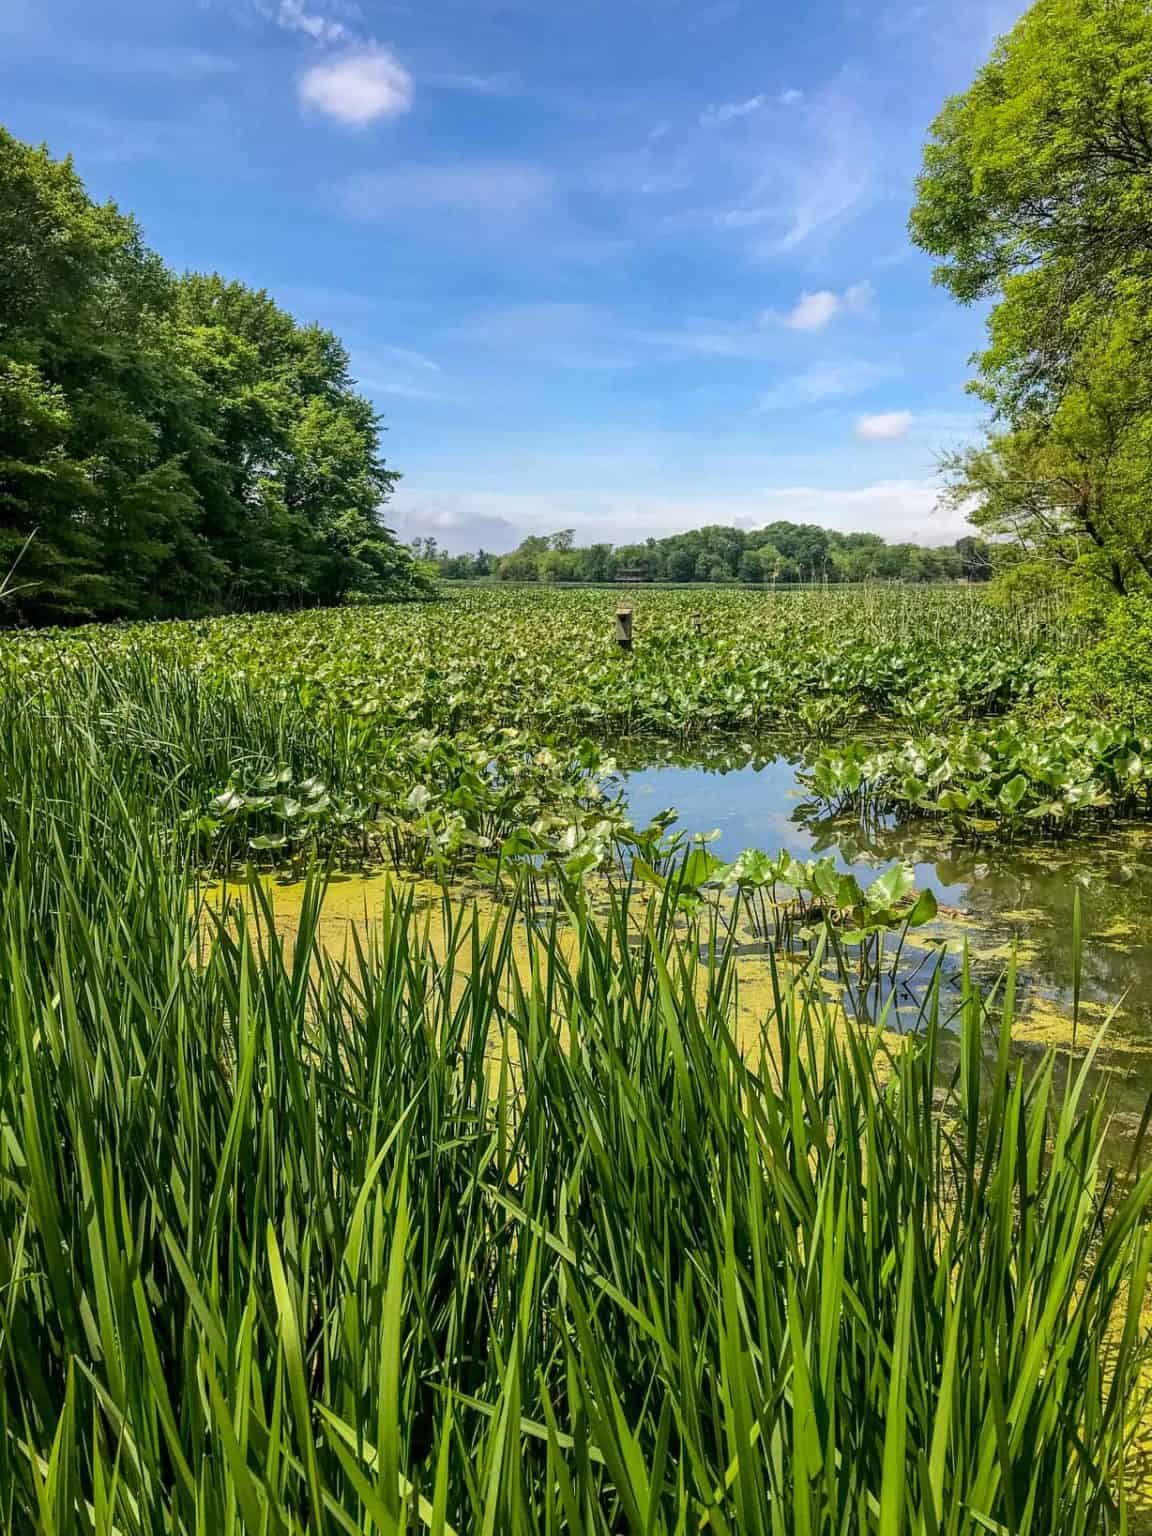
781	554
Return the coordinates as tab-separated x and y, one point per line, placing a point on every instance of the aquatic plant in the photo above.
810	661
473	1226
1002	778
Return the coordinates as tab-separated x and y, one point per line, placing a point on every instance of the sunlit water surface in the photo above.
995	897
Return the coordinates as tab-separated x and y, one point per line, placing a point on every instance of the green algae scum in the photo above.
456	1076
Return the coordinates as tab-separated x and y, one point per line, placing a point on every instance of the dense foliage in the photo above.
781	553
1037	193
1007	776
547	662
502	1226
168	445
478	731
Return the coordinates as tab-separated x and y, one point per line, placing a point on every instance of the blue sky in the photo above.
627	266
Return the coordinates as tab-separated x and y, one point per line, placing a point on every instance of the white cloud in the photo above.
813	311
731	111
358	87
507	187
884	426
823	381
456	528
858	297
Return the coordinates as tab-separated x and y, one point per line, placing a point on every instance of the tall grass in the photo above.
498	1234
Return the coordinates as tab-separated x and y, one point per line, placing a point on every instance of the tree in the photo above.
1069	486
1037	190
179	445
535	544
80	461
306	484
718	554
975	557
1037	185
518	567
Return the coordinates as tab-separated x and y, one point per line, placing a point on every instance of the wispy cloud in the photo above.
838	180
415	360
404	389
823	381
975	26
732	111
293	16
358	87
493	187
713	339
760	337
195	64
501	84
358	80
813	311
583	338
546	324
110	140
401	374
884	426
787	179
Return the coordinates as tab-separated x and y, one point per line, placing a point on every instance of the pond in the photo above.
994	897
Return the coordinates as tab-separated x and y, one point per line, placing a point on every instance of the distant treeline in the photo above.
168	445
779	553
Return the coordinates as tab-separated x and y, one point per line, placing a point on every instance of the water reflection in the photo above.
992	895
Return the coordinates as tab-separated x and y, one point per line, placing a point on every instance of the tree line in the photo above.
1036	193
781	553
169	444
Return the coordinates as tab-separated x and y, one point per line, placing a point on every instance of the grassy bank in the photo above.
414	1242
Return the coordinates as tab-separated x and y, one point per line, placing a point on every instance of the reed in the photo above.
502	1233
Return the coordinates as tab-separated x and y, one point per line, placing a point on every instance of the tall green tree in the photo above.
1037	192
172	445
1068	484
80	462
1037	185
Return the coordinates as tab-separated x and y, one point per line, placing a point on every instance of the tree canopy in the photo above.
781	553
169	444
1036	192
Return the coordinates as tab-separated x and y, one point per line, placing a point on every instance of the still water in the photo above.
994	897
